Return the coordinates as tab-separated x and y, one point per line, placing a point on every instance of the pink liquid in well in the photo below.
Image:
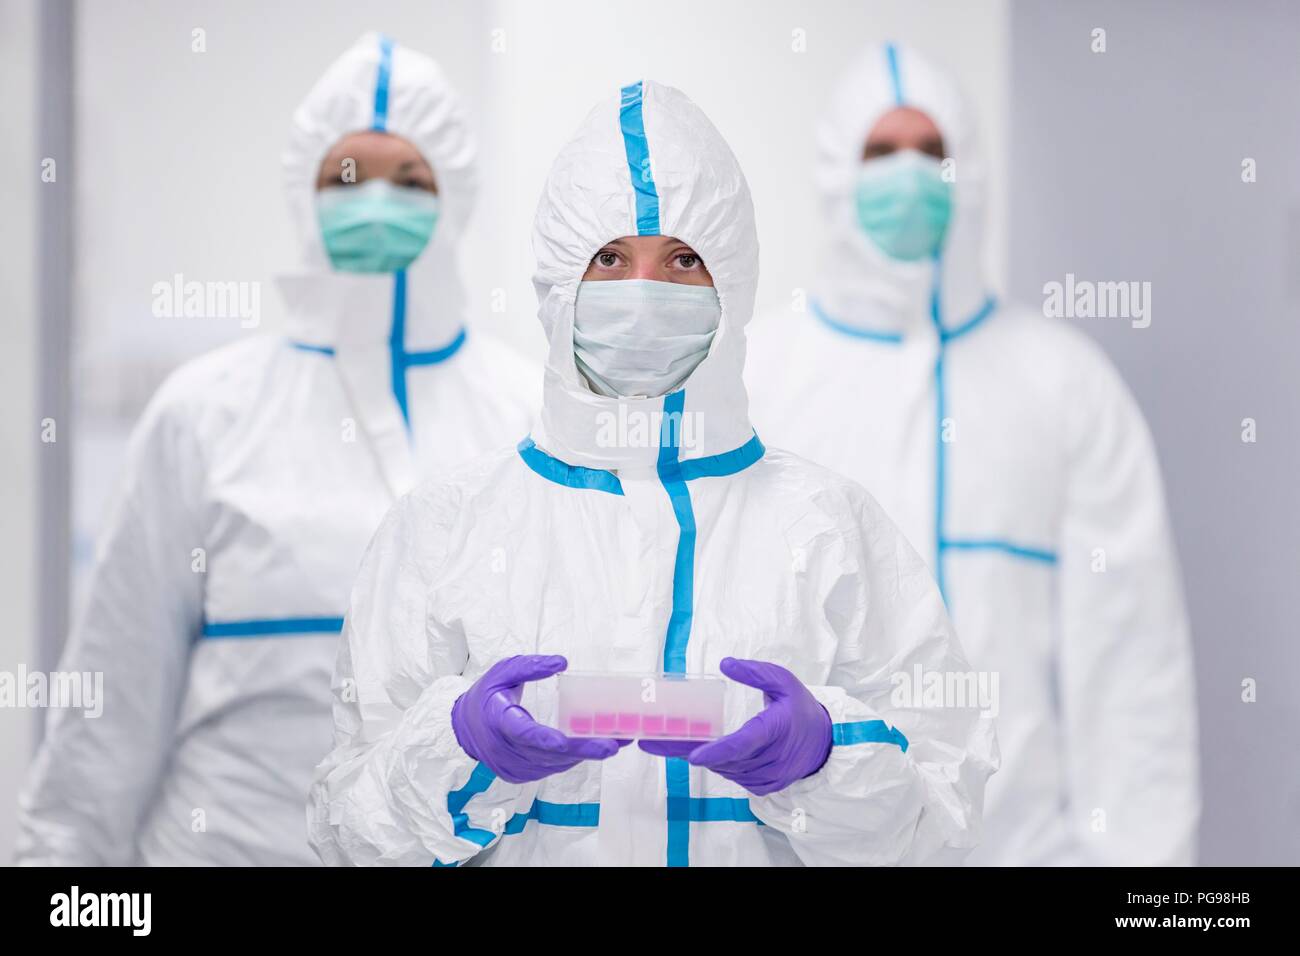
629	723
579	724
652	725
701	728
605	723
677	726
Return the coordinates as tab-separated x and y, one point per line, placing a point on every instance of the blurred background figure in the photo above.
1015	460
254	482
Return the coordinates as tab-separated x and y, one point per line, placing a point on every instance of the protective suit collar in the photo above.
860	288
643	163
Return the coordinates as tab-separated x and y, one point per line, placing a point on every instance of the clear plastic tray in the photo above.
640	706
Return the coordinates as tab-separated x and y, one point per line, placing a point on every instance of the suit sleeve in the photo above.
904	783
1125	659
397	789
95	776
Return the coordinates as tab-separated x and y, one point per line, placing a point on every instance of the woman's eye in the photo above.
607	259
688	260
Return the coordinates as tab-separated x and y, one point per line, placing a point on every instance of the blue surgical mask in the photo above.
904	204
375	226
639	337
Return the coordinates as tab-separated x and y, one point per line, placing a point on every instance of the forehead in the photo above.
375	146
904	123
646	245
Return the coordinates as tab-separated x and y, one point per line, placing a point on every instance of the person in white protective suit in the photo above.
256	477
1013	458
680	546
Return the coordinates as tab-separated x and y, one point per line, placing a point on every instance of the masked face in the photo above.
904	204
642	337
375	226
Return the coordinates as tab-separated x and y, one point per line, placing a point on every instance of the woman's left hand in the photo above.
788	740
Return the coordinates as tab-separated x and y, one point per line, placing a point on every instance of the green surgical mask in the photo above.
904	204
375	226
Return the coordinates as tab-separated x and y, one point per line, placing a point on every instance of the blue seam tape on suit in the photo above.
397	344
982	313
670	476
726	463
556	815
895	76
401	359
687	810
397	333
940	446
380	119
677	770
267	627
544	812
631	119
896	338
480	779
573	476
598	479
308	347
434	356
867	732
889	338
946	335
993	544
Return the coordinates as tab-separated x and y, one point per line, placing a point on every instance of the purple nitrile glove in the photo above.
788	740
494	729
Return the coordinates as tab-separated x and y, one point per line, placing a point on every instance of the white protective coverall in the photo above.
625	547
1016	461
256	477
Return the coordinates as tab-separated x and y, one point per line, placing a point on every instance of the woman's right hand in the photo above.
493	728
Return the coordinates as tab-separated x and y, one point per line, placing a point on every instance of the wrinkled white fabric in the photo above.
255	479
1017	462
693	550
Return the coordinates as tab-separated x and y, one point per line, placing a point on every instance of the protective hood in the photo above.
645	162
860	287
379	85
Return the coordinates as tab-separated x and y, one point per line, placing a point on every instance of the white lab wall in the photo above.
19	425
1128	167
